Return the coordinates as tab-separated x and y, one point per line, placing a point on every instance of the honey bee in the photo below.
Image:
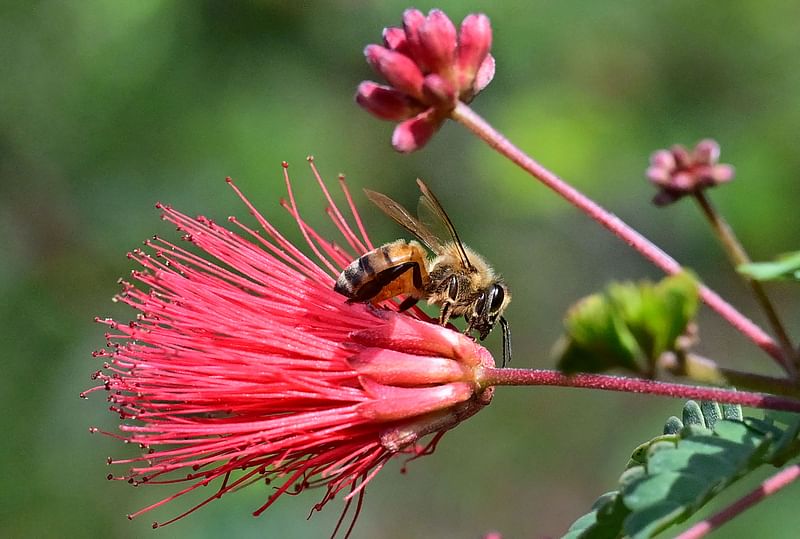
457	278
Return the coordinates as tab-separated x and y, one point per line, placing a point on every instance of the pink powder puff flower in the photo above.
678	172
429	67
244	366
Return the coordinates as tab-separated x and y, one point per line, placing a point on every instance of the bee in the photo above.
456	278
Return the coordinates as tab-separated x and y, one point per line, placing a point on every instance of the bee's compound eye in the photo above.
452	287
498	295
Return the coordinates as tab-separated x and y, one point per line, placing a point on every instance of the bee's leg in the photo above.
444	314
506	341
407	303
406	277
447	306
379	288
470	321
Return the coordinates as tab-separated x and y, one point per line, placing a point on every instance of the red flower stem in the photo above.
706	371
464	114
772	485
543	377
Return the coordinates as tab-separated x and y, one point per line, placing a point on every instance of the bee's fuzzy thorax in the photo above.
484	274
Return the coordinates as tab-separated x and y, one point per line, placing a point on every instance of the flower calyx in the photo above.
422	378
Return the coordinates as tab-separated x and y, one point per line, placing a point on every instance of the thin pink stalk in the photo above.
464	114
543	377
772	485
738	256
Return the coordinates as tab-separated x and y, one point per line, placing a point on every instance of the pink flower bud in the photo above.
722	173
474	43
448	66
663	159
678	172
681	155
437	36
395	39
385	102
396	68
484	76
413	134
706	152
658	175
439	91
413	19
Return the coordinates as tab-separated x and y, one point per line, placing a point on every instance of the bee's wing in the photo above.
431	213
404	218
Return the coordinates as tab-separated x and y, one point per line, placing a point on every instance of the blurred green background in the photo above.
107	107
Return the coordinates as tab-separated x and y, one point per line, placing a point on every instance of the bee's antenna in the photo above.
506	341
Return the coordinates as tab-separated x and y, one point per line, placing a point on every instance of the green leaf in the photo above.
678	487
737	431
605	519
650	521
639	455
732	411
631	475
763	427
670	477
711	413
786	266
656	314
673	425
596	338
628	326
693	414
787	444
777	416
584	522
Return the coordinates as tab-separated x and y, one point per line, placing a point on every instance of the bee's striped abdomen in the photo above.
383	273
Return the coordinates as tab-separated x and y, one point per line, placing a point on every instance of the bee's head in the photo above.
488	308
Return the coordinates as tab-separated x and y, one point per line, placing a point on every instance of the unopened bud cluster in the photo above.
429	67
678	172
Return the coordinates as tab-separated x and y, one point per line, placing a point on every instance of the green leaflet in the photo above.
627	326
784	267
670	477
604	520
